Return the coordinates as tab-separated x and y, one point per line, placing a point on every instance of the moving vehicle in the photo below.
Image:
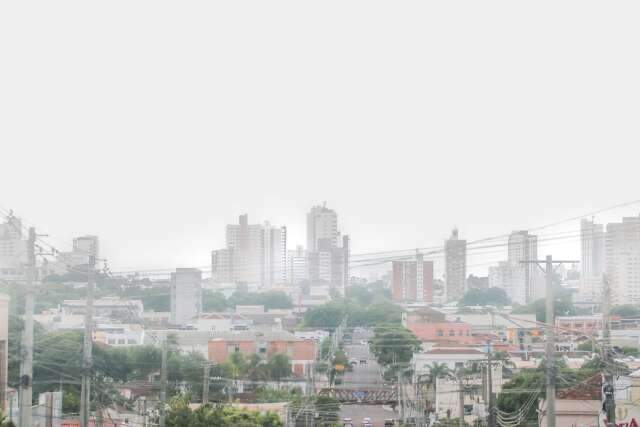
389	422
363	361
347	422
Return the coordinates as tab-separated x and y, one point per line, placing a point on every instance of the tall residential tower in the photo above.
455	262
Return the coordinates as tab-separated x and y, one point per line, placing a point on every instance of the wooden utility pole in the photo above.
87	348
26	366
491	418
460	399
550	347
205	384
163	381
609	384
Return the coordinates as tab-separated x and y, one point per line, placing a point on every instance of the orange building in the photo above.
265	344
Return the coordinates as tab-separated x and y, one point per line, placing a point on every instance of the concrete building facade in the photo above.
622	260
254	253
186	295
455	260
525	285
412	281
328	250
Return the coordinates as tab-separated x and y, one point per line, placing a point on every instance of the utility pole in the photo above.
550	347
460	399
609	385
26	367
87	361
491	420
205	384
163	381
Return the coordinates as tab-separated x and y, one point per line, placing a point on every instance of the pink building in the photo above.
429	325
266	344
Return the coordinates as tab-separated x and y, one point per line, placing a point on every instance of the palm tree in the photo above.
436	370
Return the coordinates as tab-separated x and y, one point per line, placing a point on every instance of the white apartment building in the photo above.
254	253
593	261
186	295
455	260
622	260
13	249
526	284
297	266
322	225
328	251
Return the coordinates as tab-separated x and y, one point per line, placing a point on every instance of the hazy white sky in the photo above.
154	123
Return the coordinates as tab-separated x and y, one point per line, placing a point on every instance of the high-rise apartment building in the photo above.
13	248
525	285
412	281
328	251
254	253
593	260
622	260
455	260
186	295
297	266
322	227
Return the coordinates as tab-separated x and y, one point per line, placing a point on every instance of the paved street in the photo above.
364	376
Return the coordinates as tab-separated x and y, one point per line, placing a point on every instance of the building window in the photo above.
440	333
452	333
121	341
111	341
131	341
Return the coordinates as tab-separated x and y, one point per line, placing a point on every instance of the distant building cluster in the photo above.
519	276
257	254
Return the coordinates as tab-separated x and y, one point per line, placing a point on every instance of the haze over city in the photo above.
319	214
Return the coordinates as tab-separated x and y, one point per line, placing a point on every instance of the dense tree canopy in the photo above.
181	415
363	306
394	345
626	311
490	296
270	299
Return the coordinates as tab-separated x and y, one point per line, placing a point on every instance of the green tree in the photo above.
490	296
270	299
394	346
563	307
325	316
329	410
213	301
279	367
438	370
181	415
626	311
